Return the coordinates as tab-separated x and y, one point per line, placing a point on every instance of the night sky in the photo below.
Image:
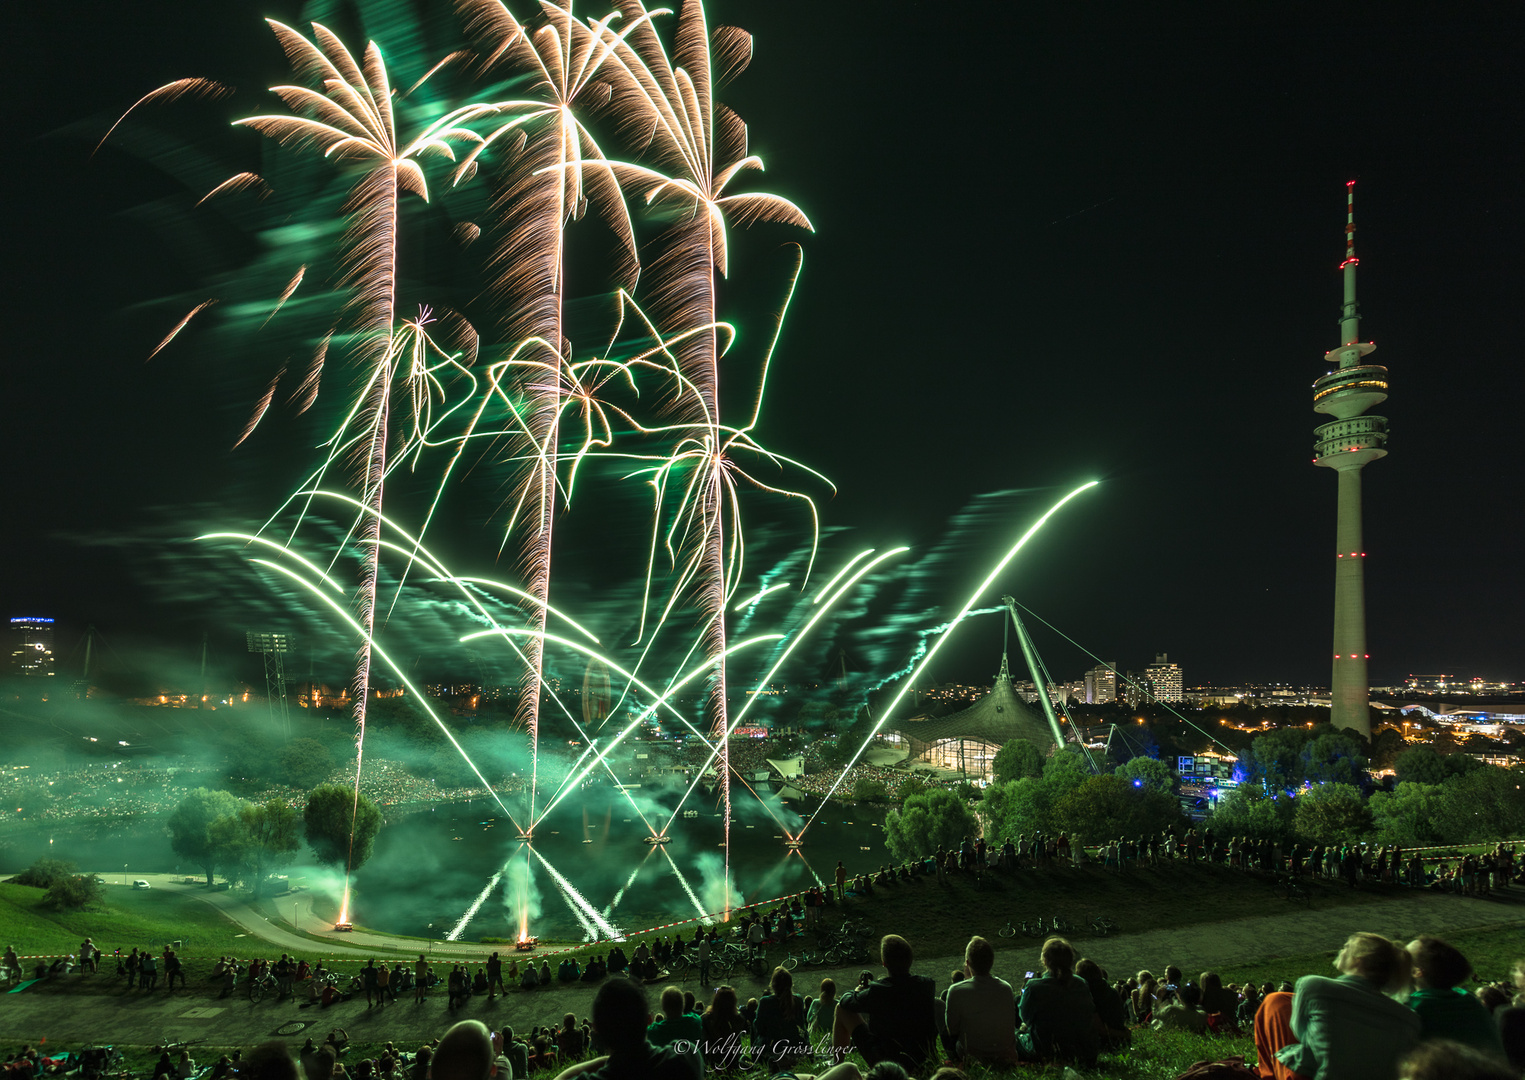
1055	242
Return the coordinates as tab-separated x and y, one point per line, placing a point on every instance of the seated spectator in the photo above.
530	979
981	1011
570	1040
1145	997
1184	1014
466	1052
269	1061
619	1019
516	1051
479	981
1439	1059
724	1028
674	1025
1057	1011
1111	1013
778	1034
545	973
901	1025
1220	1004
1348	1028
1445	1010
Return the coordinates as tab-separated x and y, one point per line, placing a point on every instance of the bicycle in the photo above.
1101	926
1292	891
1008	930
265	984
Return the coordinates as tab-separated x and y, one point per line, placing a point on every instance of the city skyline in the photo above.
1199	269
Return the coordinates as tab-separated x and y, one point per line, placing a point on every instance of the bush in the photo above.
42	873
71	892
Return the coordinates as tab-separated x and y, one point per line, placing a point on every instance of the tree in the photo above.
1107	806
330	811
1150	774
1484	803
914	785
1386	745
1420	764
1275	758
1016	759
72	892
304	762
1333	757
1248	810
934	819
1331	814
1423	764
190	825
866	790
257	839
1409	815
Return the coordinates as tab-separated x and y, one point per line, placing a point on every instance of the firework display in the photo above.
544	119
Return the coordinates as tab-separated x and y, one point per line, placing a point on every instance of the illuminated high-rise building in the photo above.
1164	679
32	645
1346	445
1101	684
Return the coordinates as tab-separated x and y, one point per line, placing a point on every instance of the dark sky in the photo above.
1055	242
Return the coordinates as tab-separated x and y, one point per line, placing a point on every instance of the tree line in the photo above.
1312	784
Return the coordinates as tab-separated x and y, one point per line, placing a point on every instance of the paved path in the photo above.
199	1017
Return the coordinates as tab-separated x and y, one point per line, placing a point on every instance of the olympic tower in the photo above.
1345	445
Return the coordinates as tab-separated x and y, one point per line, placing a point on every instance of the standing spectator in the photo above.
704	960
901	1025
383	979
174	970
495	977
982	1010
1056	1010
149	971
368	981
841	881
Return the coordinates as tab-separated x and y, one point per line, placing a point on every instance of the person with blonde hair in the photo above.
1350	1027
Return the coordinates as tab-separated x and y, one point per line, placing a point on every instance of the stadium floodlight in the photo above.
273	647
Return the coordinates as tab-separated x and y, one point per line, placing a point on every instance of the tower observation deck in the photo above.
1346	445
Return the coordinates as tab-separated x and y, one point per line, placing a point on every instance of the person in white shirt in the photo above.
982	1010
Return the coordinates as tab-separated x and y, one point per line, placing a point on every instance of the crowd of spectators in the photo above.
1389	1011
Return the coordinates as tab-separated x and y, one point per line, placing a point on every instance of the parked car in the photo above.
141	884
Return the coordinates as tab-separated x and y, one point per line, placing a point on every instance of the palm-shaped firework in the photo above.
698	147
547	186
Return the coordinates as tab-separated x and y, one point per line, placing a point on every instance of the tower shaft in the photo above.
1347	683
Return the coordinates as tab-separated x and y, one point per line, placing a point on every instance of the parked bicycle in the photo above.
1101	926
1293	891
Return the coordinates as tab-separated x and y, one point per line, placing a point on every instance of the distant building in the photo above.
1164	679
32	645
1101	684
